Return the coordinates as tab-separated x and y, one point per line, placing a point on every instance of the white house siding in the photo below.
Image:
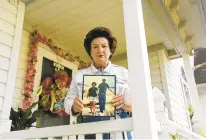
21	72
155	70
8	16
176	95
11	23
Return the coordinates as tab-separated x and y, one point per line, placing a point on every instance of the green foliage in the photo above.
24	119
79	119
191	111
203	132
175	137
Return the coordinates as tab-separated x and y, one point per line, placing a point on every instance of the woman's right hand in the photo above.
77	105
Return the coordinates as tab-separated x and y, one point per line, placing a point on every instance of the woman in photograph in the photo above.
100	45
92	95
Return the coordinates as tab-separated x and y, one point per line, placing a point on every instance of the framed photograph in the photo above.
98	91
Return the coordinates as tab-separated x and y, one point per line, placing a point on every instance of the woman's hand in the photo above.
77	106
119	102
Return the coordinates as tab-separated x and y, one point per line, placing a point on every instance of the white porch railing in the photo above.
72	130
164	126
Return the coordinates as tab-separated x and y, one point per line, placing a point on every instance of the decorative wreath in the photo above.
53	91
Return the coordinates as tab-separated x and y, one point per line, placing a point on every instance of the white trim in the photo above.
65	137
13	62
139	72
165	82
98	137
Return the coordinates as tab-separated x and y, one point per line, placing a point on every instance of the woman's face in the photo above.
100	51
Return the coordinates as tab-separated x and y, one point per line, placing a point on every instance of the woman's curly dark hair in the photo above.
100	32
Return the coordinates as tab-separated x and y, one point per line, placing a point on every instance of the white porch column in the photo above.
11	25
193	91
140	81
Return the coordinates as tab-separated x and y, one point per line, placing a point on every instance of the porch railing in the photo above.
164	127
113	126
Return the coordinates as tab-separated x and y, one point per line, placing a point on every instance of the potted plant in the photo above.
22	120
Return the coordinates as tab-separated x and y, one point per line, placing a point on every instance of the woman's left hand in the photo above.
118	101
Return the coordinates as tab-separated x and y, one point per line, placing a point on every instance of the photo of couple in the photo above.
98	92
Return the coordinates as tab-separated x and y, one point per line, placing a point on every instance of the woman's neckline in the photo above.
99	67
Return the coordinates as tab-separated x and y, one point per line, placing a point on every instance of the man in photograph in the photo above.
102	95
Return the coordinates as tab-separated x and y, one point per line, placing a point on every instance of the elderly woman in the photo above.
100	45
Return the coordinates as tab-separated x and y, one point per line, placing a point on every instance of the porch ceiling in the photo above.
68	21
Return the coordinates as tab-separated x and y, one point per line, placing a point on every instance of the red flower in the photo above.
49	42
31	71
37	35
28	94
29	77
26	104
29	85
34	50
77	58
34	61
44	40
33	41
30	66
33	54
26	88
